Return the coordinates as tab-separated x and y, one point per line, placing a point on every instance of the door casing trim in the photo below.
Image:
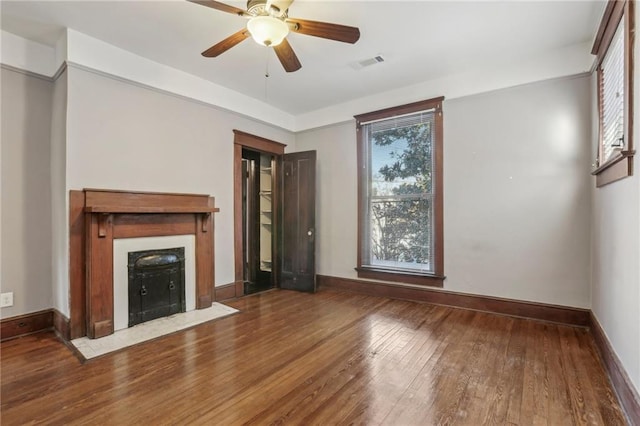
255	143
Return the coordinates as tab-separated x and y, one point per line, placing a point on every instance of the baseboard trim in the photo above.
62	325
627	394
225	292
21	325
540	311
52	319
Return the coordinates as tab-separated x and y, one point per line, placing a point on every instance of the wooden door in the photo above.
299	221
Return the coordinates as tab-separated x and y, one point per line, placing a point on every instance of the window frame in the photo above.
620	165
435	279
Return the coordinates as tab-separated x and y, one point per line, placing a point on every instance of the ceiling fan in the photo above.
269	24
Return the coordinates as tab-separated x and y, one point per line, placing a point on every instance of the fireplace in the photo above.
156	284
99	219
123	247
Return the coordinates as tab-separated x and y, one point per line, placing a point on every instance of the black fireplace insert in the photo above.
156	284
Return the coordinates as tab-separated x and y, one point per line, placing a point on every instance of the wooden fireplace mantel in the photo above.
97	217
108	201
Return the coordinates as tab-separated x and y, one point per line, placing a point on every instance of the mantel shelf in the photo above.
122	202
149	209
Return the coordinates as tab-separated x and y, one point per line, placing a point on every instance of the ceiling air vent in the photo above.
367	62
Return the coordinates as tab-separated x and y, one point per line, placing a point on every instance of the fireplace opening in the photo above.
156	284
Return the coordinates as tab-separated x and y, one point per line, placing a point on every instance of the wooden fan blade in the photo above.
226	44
325	30
221	6
287	56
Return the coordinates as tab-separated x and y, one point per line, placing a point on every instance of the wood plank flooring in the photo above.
329	358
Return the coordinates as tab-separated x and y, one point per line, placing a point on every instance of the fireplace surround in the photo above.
122	247
97	217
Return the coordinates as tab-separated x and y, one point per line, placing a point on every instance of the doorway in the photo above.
259	239
274	216
247	199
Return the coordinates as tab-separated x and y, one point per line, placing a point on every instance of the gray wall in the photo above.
123	136
26	196
517	193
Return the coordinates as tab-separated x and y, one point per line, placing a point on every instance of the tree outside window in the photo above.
398	195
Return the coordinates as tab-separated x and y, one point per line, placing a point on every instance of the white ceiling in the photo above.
420	41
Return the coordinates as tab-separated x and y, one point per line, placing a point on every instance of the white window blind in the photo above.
400	195
612	96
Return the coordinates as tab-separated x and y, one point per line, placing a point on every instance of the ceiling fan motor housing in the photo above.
259	8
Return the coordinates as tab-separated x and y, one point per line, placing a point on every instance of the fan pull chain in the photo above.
266	71
266	74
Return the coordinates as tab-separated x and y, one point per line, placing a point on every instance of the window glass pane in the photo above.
613	96
401	234
400	192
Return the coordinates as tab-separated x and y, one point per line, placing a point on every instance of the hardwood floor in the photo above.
328	358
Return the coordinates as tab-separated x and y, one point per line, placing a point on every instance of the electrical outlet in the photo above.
6	300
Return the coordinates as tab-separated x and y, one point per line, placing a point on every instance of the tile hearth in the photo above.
91	348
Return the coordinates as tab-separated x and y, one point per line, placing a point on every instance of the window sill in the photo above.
406	277
618	167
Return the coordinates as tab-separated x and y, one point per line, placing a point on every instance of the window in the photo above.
613	47
400	194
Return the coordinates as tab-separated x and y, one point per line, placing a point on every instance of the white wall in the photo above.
517	193
615	290
26	199
123	136
616	271
59	197
27	55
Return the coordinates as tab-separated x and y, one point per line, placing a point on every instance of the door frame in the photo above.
255	143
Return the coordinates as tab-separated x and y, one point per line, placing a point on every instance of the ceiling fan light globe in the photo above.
267	30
